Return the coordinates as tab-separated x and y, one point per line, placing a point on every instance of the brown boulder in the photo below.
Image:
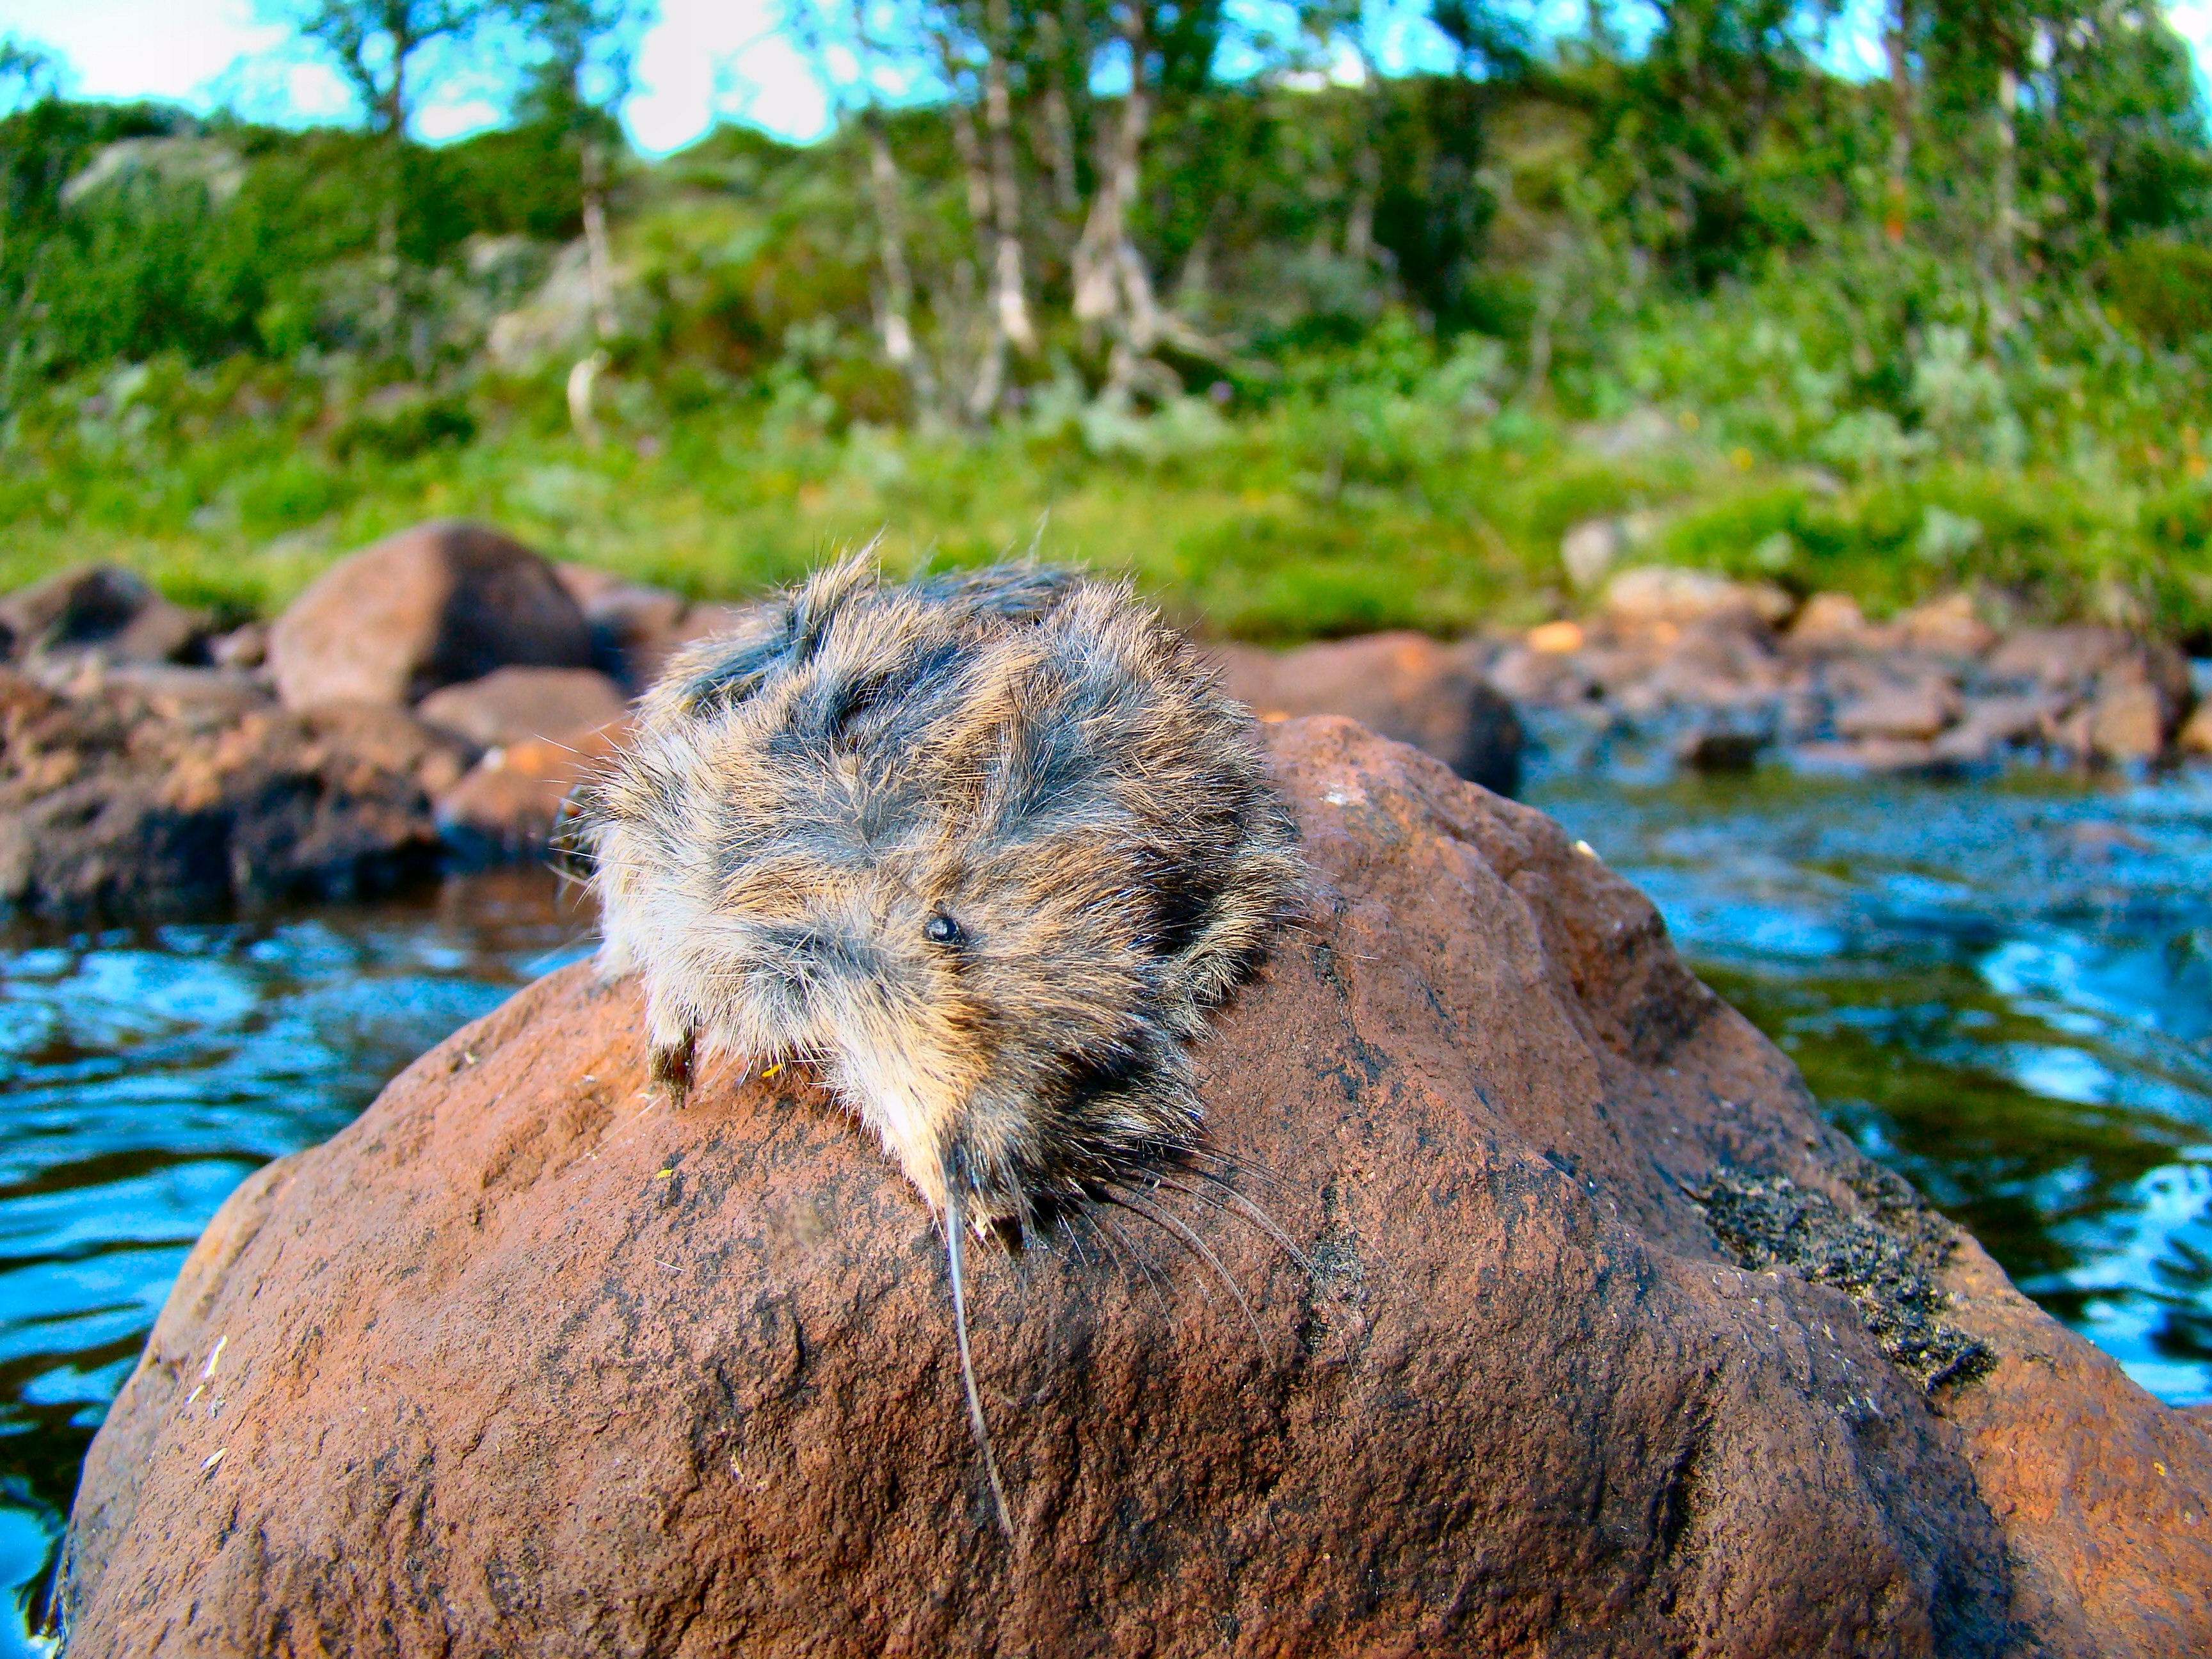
243	648
516	705
1404	686
520	1362
1947	627
634	627
2194	736
504	808
2128	721
101	609
1833	622
428	607
1917	712
1536	674
2082	658
376	737
157	789
1991	725
1659	596
2068	657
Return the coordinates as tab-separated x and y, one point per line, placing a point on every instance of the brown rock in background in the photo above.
504	808
1833	622
102	608
516	705
1991	725
2194	736
634	627
160	789
380	738
1947	626
521	1363
1917	712
2129	720
1651	596
1404	686
428	607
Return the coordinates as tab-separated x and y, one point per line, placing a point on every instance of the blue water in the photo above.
2004	990
144	1074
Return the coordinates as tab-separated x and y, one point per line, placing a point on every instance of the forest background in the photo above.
1205	293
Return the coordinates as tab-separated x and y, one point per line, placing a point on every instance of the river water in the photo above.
2004	990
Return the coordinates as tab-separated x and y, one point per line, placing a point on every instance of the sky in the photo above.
704	60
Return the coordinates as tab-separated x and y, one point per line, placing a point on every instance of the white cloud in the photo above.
710	58
141	48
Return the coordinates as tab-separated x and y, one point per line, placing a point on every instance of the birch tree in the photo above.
377	48
852	52
585	52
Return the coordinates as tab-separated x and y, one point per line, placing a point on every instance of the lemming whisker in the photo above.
953	1226
1164	1217
1073	1243
1227	1200
1235	1166
1126	1255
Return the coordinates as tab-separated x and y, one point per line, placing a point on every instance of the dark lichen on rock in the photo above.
1888	1260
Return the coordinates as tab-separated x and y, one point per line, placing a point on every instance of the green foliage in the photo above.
2162	290
1414	329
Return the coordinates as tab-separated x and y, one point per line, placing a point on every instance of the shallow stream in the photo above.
2004	990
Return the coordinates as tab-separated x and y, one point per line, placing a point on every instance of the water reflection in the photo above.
143	1072
2004	991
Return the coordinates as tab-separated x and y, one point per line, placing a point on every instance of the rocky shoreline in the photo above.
1725	672
427	701
1593	1339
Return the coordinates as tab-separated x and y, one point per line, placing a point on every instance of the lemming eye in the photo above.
942	930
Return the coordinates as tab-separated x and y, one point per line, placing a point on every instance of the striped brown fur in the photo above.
984	847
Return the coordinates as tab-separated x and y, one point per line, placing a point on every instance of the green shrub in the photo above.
397	428
2163	290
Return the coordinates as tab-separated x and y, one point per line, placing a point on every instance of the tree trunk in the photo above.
388	256
1550	282
394	114
1104	259
1012	299
971	162
1059	132
1897	41
2008	177
1366	166
897	307
599	272
599	257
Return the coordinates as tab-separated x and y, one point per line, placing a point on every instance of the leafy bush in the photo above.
2163	290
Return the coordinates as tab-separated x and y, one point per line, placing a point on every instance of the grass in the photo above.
1386	502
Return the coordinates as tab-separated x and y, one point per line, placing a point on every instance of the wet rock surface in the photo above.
168	789
504	809
97	611
519	705
1405	686
521	1362
1708	667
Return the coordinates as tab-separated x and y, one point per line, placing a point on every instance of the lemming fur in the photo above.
985	847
